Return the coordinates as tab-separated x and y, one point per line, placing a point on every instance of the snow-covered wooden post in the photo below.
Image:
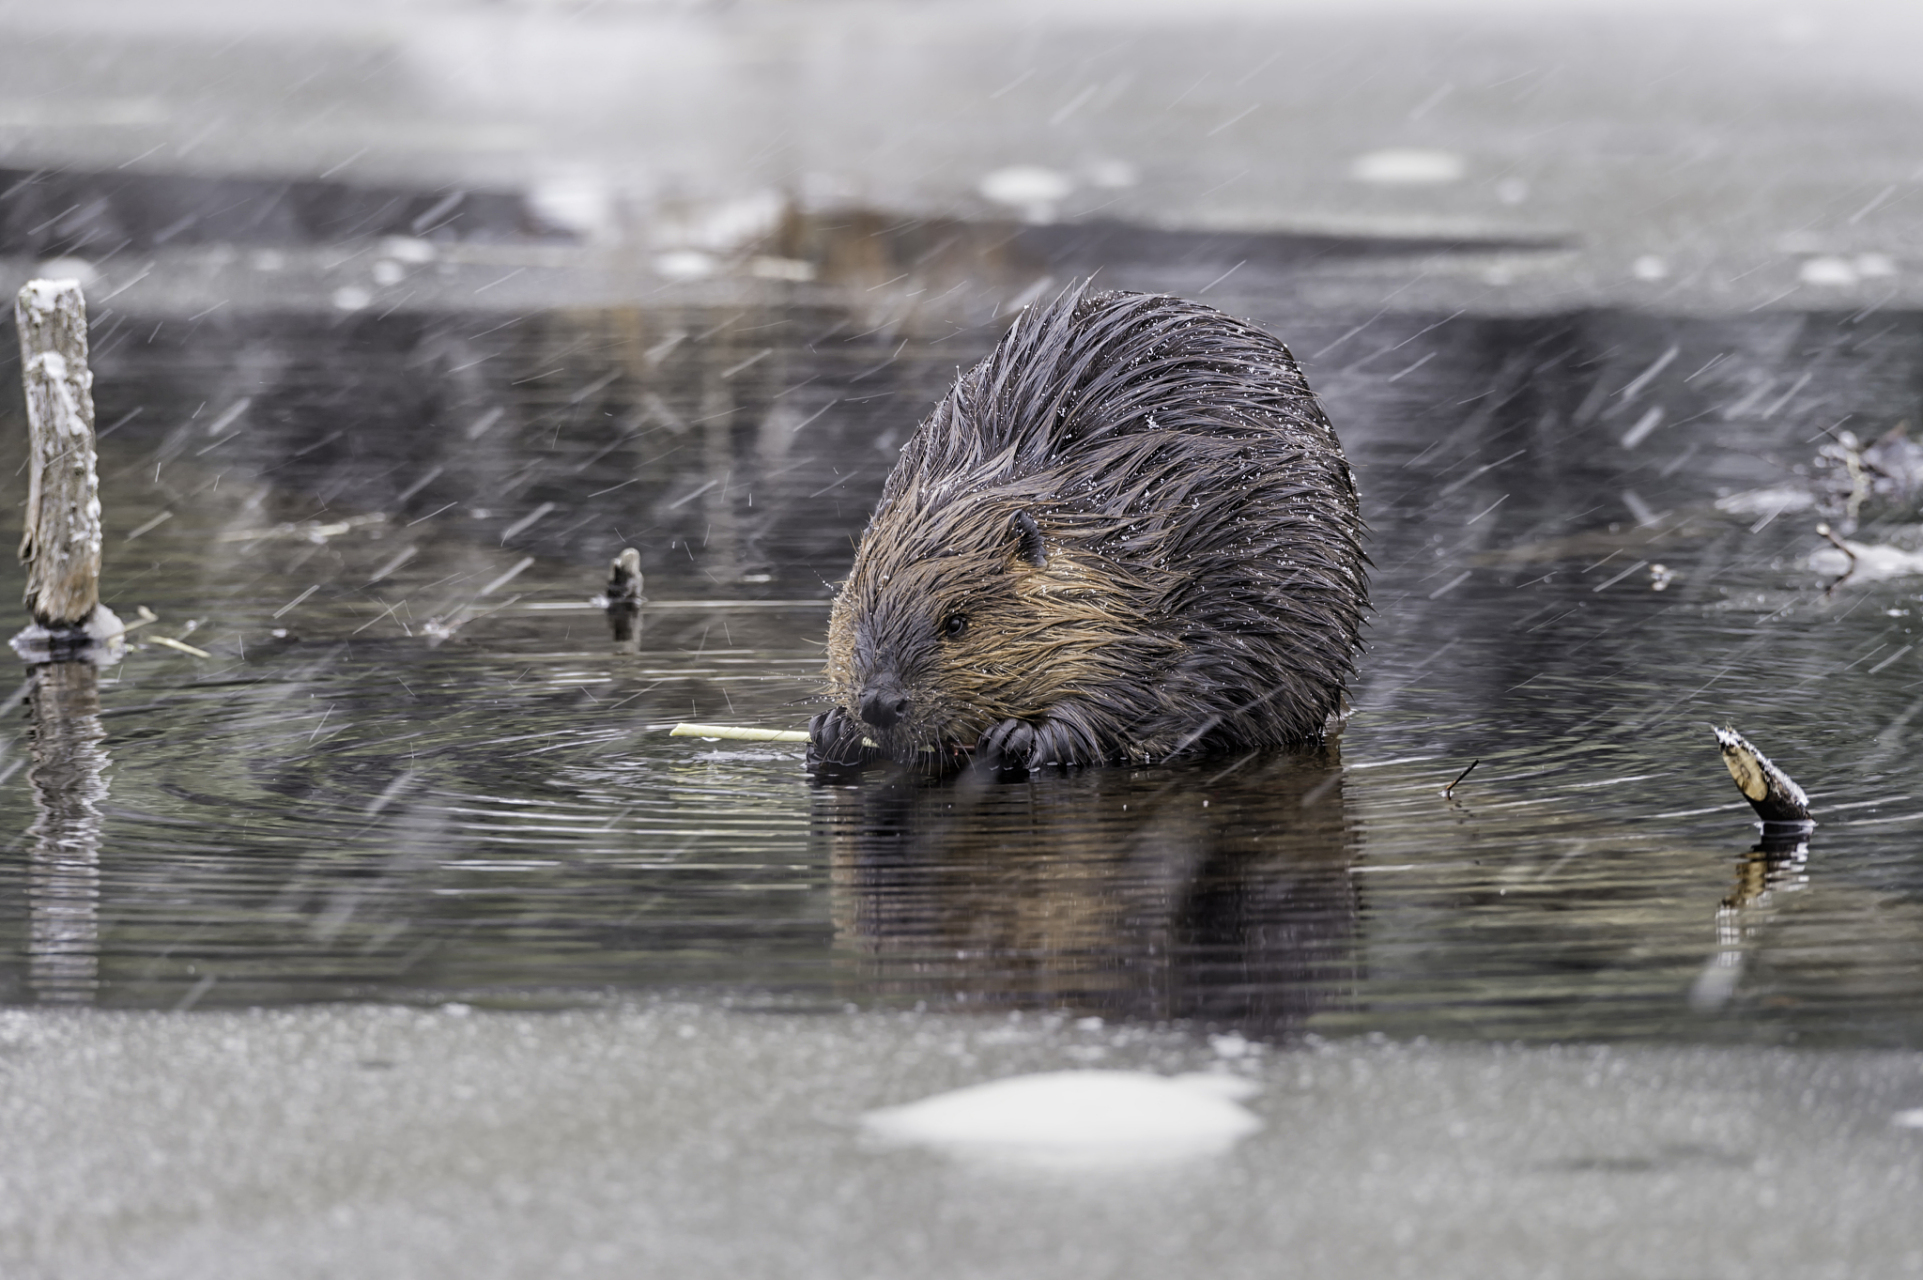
60	543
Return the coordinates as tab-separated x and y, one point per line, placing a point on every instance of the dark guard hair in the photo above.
1128	534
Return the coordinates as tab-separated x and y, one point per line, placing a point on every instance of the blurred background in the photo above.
1687	155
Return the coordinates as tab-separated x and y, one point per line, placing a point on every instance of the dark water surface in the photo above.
415	768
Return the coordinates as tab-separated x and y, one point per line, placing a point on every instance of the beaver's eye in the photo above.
954	626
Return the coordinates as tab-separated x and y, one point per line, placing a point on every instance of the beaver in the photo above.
1127	535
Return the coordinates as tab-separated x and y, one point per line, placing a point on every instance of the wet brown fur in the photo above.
1198	583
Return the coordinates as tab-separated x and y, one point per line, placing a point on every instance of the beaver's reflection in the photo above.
1218	892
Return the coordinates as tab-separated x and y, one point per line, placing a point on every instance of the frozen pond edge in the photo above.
336	1140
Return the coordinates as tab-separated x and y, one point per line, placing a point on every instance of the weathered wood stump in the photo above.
60	540
623	597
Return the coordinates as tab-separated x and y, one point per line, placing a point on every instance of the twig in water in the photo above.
1844	547
177	645
1448	792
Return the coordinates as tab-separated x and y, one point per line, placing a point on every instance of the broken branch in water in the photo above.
735	733
1774	795
1777	862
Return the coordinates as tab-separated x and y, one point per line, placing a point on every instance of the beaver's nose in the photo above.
884	708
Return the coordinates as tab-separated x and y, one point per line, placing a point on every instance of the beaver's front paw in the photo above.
1015	745
835	743
1006	746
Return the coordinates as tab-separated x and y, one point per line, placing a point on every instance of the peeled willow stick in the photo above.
1774	795
735	733
60	542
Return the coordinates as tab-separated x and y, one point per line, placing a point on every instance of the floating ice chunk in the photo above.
351	297
1077	1119
408	249
1649	267
733	223
1025	184
1911	1119
388	272
1407	166
577	201
1033	190
1871	562
1767	502
1828	271
769	267
685	264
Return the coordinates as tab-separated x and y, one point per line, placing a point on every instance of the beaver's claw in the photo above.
835	743
1019	744
1006	745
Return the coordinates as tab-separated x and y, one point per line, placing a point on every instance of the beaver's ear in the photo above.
1029	536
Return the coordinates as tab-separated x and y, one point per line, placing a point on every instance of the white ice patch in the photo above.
409	249
768	267
1872	561
1407	166
1649	267
1077	1119
1767	502
685	264
577	201
1911	1119
1828	271
1028	188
